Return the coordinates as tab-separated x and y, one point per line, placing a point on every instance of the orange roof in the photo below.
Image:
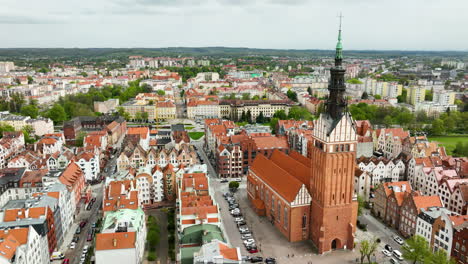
458	219
87	155
120	240
47	141
8	247
21	234
142	131
426	201
227	252
71	174
275	177
270	142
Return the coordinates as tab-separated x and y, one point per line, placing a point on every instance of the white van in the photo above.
57	255
397	254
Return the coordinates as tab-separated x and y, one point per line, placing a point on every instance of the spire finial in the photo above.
339	47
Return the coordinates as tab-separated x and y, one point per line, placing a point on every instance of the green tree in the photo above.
292	95
30	110
161	92
145	115
361	204
256	97
233	185
273	123
415	249
367	248
246	96
429	95
4	127
84	74
402	98
260	118
30	80
57	113
364	95
182	93
248	116
138	116
439	257
309	90
280	114
377	97
121	111
438	127
232	96
79	140
299	113
242	119
16	102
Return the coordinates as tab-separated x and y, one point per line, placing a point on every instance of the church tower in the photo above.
332	153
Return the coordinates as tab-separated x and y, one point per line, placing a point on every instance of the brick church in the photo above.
313	197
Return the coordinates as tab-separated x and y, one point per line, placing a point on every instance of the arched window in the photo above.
304	221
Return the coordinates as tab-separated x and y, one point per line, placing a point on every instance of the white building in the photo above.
382	170
426	220
123	237
89	164
23	246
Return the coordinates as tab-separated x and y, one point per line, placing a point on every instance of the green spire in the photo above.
339	46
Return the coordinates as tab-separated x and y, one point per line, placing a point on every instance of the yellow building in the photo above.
416	94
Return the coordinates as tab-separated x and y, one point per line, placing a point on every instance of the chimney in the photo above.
114	242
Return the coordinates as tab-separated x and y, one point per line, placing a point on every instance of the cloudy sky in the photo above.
285	24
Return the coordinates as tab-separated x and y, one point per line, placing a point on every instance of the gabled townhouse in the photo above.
460	243
229	161
365	146
11	144
49	144
215	128
362	184
217	252
389	141
453	193
73	177
382	169
27	159
416	166
426	219
421	147
142	134
23	246
120	195
382	194
443	231
60	160
89	164
150	185
411	208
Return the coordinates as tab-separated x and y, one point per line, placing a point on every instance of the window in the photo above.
304	221
279	212
285	217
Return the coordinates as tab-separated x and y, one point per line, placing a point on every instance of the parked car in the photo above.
388	247
224	180
90	205
398	240
83	223
249	241
239	219
256	259
270	260
90	236
238	179
246	236
85	249
243	232
233	206
72	245
78	230
241	223
252	250
397	254
244	228
394	261
386	253
66	261
75	239
93	200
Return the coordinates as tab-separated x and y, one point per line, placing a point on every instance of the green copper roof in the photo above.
134	217
339	46
201	234
186	254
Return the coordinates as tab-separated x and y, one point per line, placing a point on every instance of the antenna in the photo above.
341	17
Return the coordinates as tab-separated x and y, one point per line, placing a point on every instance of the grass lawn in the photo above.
449	142
196	135
189	127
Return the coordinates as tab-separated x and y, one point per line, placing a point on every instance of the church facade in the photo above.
313	197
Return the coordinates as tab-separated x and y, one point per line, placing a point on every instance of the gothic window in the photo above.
285	217
304	221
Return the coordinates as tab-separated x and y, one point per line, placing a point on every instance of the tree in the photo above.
361	204
145	115
16	102
242	119
260	118
309	90
248	116
415	249
280	114
121	111
57	113
292	95
439	257
30	110
161	92
438	127
30	80
367	248
364	95
4	127
429	95
232	96
138	116
299	113
80	138
377	97
233	185
182	92
246	96
402	98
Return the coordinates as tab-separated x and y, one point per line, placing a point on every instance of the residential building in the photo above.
265	145
106	106
389	141
88	161
416	94
382	195
460	243
443	231
217	252
411	208
362	184
365	146
203	109
381	169
11	144
123	237
23	246
73	177
425	221
233	109
120	195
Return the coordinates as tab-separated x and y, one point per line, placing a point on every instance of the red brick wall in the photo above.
297	233
460	237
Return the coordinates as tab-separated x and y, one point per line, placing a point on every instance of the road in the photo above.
91	216
211	171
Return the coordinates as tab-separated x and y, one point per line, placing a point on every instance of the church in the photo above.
312	198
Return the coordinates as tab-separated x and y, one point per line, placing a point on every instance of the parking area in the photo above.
269	241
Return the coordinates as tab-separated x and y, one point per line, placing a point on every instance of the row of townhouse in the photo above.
199	223
36	216
11	144
40	125
412	213
123	234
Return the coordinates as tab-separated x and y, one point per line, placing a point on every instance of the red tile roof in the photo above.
120	240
